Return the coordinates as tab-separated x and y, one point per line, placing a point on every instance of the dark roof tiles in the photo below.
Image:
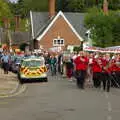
41	21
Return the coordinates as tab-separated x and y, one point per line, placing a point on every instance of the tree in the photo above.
23	7
76	5
116	31
36	5
4	10
104	28
19	8
114	4
62	5
91	3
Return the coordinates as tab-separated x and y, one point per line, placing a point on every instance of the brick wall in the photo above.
61	28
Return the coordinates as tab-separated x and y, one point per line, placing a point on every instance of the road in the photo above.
60	99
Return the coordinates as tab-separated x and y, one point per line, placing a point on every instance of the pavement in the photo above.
9	84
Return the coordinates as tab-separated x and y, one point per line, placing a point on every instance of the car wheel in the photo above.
46	80
21	81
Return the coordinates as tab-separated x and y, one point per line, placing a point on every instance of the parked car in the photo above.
32	68
15	64
12	58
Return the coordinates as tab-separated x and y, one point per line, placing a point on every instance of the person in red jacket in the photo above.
81	64
106	73
97	71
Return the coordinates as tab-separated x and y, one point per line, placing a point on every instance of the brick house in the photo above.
57	30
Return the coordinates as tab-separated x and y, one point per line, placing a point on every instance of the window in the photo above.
58	42
55	42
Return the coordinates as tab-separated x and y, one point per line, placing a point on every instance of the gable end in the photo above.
53	21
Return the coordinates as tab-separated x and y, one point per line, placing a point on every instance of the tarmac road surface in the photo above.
60	99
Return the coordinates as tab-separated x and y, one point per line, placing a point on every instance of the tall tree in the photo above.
116	31
36	5
104	28
4	11
91	3
23	7
76	5
62	5
114	4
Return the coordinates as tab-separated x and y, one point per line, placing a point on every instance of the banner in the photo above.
114	49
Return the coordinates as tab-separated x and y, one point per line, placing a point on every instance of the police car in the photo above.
32	68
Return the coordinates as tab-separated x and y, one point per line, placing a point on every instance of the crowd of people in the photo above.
99	69
96	68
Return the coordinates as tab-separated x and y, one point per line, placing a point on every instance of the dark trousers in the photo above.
53	69
80	76
59	68
106	80
6	67
97	79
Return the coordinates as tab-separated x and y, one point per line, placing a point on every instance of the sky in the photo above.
13	0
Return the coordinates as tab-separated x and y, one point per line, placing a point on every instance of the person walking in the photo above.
81	63
5	61
53	62
89	77
115	72
106	72
69	68
97	71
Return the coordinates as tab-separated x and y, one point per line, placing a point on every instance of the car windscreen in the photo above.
18	60
32	63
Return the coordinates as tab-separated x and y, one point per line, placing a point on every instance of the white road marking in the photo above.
109	107
106	95
109	117
22	89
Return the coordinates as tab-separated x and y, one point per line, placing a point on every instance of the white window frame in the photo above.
57	44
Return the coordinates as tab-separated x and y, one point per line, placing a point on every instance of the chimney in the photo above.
105	7
52	8
17	22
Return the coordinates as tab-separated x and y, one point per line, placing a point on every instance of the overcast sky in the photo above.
13	0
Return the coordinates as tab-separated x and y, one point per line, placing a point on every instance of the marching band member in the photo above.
97	71
115	70
106	72
89	77
81	63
